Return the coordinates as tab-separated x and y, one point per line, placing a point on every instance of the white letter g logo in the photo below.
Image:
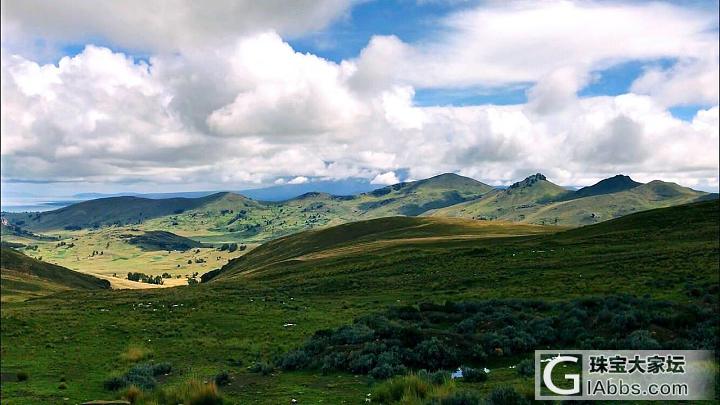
575	378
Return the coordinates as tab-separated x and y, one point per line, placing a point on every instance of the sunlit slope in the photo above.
539	203
512	204
662	248
415	198
24	277
594	209
366	236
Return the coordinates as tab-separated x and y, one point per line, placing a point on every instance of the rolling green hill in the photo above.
420	277
370	235
657	248
24	277
107	211
512	204
536	200
610	185
598	208
235	217
162	240
228	217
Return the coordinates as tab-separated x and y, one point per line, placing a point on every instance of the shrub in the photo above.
436	354
192	392
139	375
474	375
382	372
395	389
161	368
294	360
62	386
526	368
641	339
22	376
461	398
222	379
440	377
505	396
114	383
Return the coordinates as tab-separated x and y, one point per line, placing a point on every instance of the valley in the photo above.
195	228
262	306
255	286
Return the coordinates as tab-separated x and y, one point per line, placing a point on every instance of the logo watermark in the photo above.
624	375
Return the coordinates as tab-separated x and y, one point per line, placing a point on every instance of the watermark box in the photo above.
624	375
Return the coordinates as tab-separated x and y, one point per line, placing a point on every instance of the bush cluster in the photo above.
144	278
140	375
445	336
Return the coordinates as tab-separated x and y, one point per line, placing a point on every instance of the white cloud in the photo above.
254	111
163	26
386	178
284	92
519	42
690	81
299	180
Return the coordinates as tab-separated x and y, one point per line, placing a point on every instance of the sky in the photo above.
137	96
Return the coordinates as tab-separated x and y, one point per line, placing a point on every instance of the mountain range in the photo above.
533	200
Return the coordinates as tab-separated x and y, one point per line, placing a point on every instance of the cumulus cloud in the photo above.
299	180
385	179
284	92
253	110
164	25
690	81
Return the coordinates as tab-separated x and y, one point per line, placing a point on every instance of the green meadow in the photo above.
259	307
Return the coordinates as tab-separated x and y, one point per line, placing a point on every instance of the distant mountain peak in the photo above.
529	181
617	183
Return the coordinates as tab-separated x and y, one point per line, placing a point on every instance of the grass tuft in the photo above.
134	354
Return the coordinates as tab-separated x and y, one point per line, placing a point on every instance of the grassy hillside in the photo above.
107	211
598	208
24	277
246	322
368	236
640	253
416	197
228	217
162	240
231	217
541	202
513	203
607	186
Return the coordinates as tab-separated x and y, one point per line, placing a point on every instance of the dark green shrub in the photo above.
294	360
436	354
505	396
642	340
461	398
222	379
22	376
114	383
526	368
474	375
439	377
62	386
161	368
382	372
140	375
